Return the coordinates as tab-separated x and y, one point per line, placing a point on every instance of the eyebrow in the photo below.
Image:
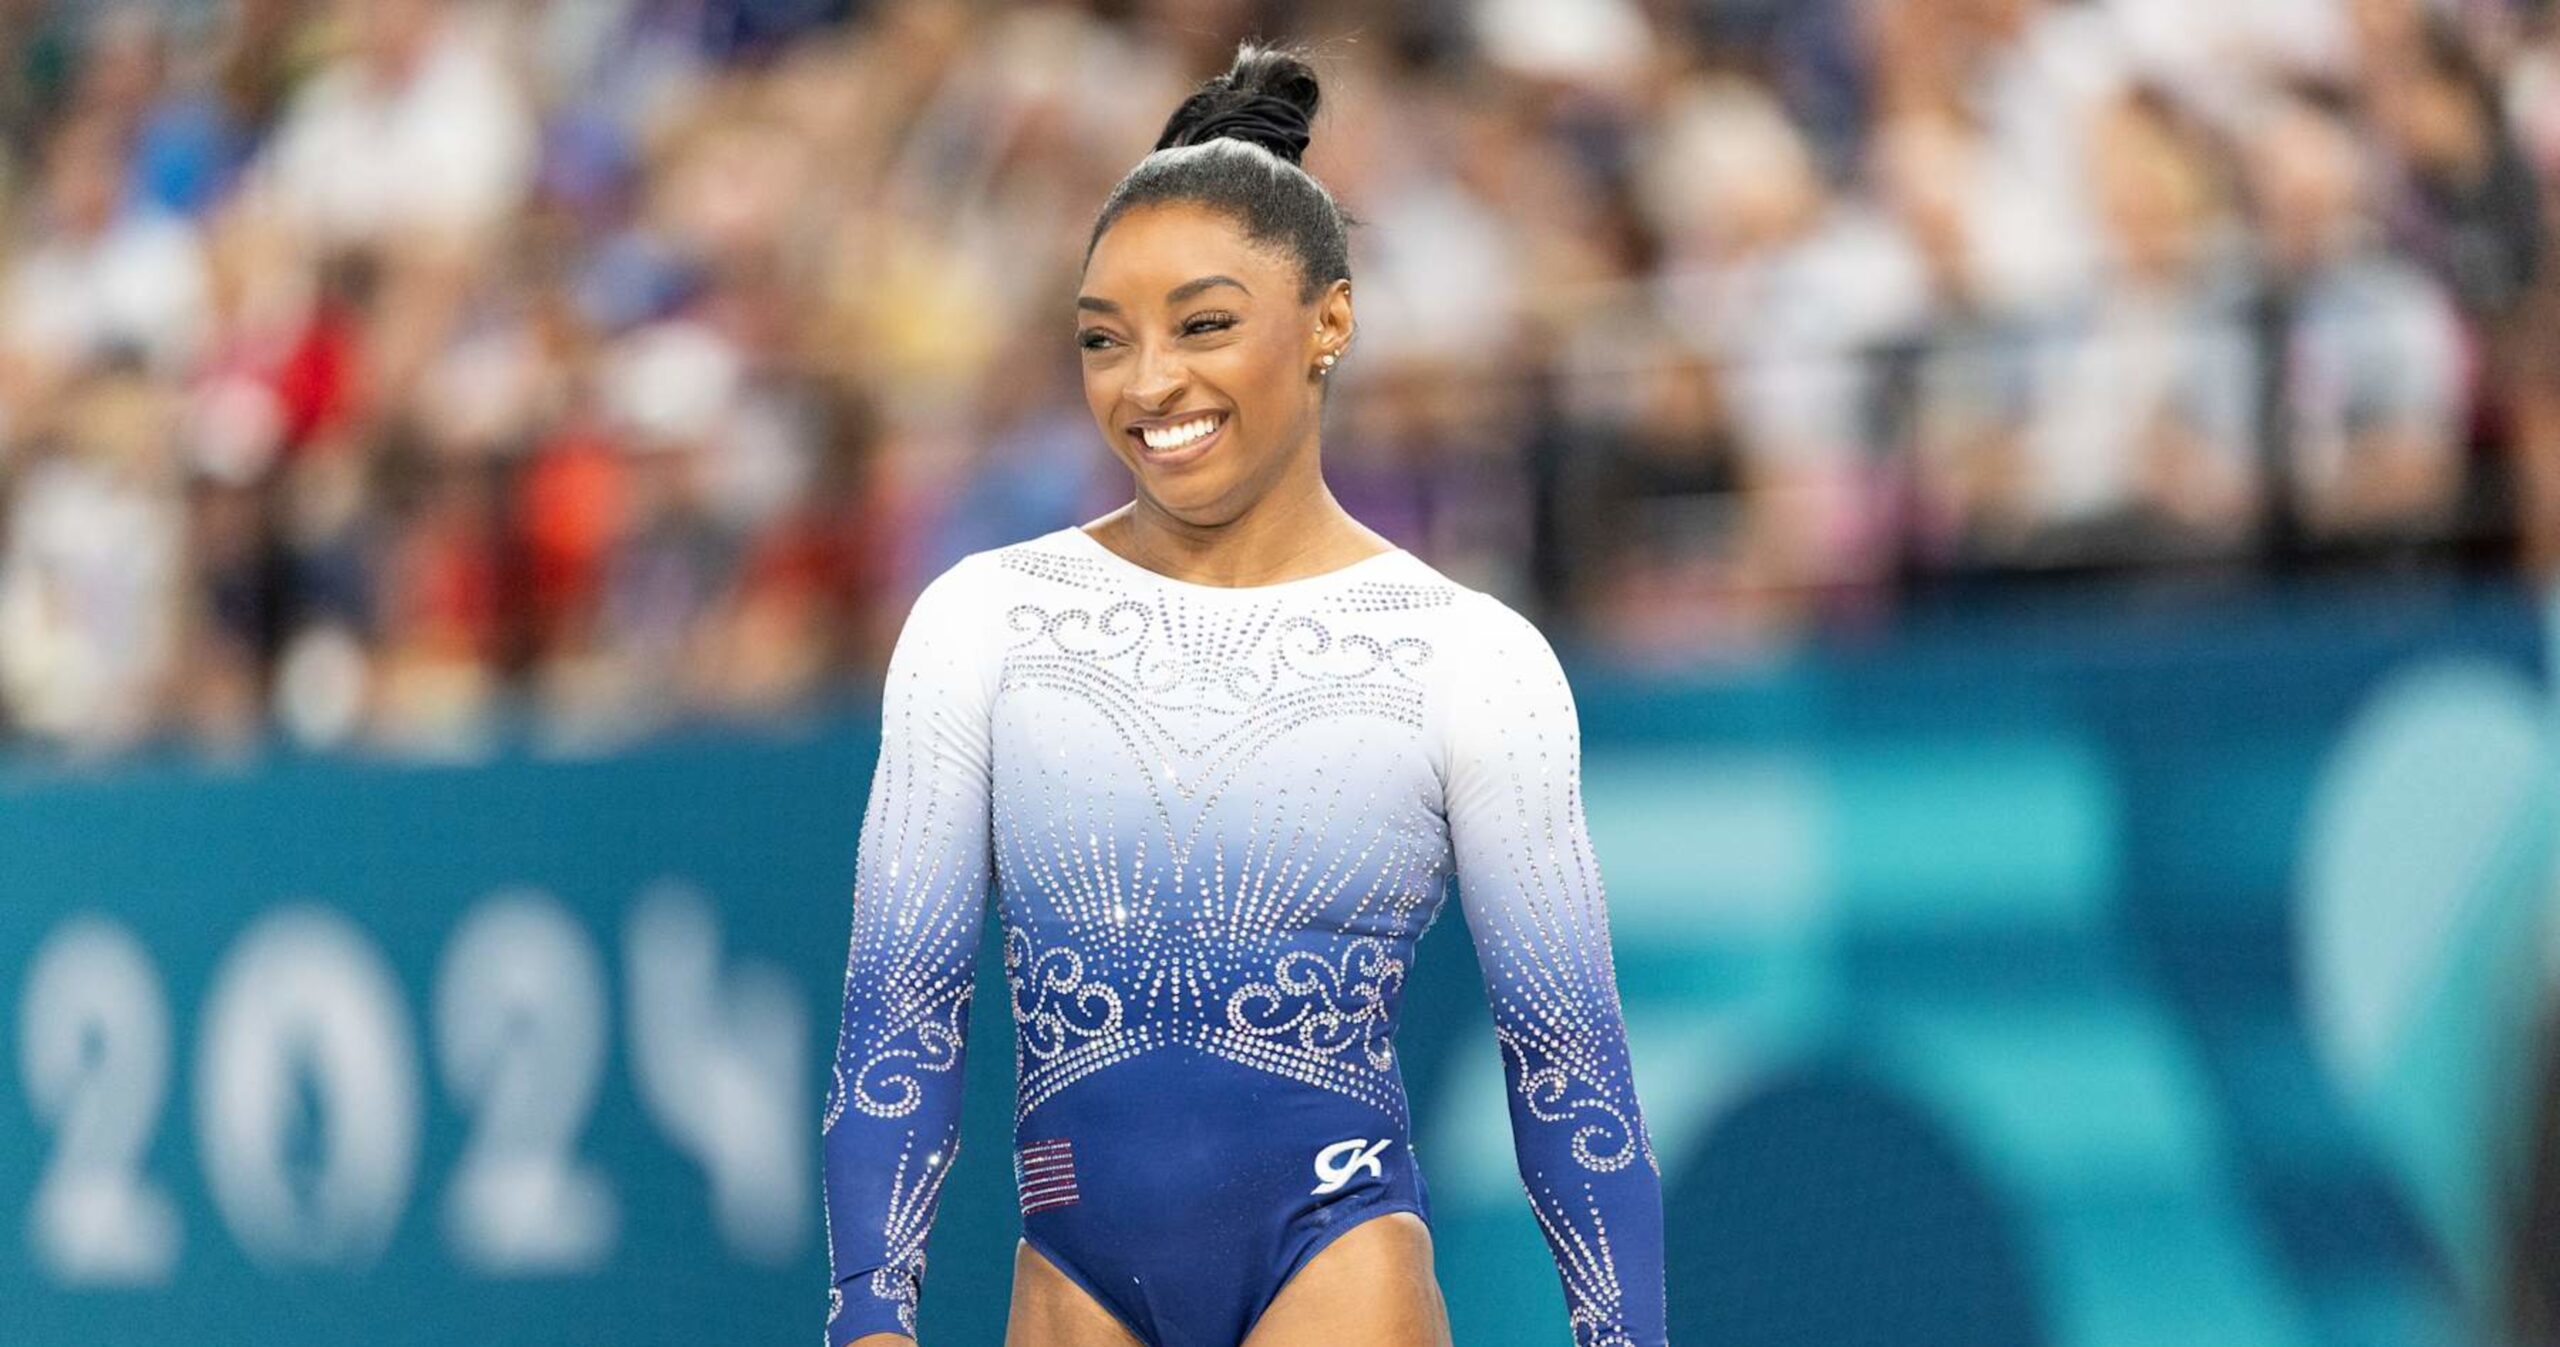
1175	295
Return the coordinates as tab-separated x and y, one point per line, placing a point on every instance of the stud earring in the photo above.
1324	363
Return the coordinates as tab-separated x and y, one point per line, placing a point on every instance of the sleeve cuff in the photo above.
855	1313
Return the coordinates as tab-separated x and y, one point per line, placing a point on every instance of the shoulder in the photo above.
960	608
956	589
1469	631
947	648
1411	590
1498	672
1493	638
977	592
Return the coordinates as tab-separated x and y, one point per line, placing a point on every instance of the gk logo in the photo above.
1337	1163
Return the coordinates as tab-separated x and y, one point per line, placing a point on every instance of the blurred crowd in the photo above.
394	373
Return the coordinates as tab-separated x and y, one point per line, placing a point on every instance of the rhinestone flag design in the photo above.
1044	1173
1217	820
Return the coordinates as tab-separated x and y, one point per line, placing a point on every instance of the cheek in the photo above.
1262	376
1101	390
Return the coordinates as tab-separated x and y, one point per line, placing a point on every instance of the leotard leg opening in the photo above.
1318	1242
1067	1268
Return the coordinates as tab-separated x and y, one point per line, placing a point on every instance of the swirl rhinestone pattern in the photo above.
1217	821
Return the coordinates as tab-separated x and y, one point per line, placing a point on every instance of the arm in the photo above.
1530	888
892	1124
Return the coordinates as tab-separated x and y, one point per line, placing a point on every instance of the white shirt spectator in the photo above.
2037	99
88	610
448	148
140	285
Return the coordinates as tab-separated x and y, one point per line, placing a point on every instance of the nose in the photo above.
1158	380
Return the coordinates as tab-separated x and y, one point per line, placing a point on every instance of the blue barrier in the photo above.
2083	979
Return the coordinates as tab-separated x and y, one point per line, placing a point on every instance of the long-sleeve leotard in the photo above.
1218	820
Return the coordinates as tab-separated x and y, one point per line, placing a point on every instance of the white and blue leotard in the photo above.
1215	821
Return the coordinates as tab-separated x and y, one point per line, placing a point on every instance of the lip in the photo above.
1175	458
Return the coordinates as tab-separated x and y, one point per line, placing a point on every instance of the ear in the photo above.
1333	327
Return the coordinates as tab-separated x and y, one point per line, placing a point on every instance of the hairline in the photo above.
1311	288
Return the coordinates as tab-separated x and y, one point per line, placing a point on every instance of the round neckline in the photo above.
1112	558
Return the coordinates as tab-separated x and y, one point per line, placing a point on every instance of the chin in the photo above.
1203	480
1193	498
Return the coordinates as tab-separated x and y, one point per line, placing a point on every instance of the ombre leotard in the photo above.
1216	821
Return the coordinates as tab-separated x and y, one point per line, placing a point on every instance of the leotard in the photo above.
1215	821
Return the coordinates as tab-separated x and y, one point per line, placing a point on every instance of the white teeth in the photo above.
1176	436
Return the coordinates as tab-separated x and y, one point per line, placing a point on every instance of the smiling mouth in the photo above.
1182	441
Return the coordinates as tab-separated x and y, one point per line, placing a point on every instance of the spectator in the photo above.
106	280
1964	407
416	130
89	582
2139	446
1792	288
2367	382
1671	571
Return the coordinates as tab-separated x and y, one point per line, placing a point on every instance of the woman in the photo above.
1218	752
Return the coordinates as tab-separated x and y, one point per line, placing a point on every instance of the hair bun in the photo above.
1268	97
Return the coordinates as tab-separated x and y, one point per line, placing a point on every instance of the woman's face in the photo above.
1192	333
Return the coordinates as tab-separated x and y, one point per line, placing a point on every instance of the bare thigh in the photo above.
1372	1285
1050	1310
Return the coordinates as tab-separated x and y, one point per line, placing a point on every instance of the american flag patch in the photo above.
1045	1173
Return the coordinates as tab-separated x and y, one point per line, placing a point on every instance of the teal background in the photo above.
2090	976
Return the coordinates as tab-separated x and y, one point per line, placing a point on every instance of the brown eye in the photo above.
1215	322
1092	340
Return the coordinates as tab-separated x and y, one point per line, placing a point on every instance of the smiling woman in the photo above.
1219	754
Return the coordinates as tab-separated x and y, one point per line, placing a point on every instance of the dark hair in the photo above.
1234	146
